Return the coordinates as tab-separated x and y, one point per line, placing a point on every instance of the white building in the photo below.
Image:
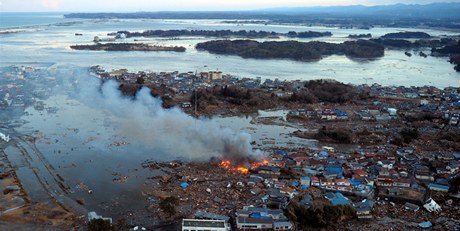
432	206
205	225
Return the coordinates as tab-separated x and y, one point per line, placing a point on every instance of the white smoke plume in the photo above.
169	131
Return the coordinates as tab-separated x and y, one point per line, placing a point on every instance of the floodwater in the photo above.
89	148
50	44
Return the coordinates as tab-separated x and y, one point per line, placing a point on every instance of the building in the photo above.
215	75
337	198
205	225
432	206
364	209
305	181
438	187
254	218
411	207
251	223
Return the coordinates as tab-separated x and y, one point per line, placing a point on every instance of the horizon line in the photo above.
238	10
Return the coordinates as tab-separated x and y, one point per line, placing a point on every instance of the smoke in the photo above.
170	132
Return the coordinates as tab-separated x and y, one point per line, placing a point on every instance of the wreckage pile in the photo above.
199	187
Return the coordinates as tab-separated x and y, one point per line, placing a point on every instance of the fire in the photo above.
255	165
232	168
240	169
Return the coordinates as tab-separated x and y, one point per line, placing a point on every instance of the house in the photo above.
411	207
343	185
364	208
300	160
288	192
337	198
315	181
329	174
328	114
254	223
306	201
454	166
305	181
328	184
202	224
359	173
276	199
401	183
438	187
341	115
424	176
215	75
255	218
432	206
269	171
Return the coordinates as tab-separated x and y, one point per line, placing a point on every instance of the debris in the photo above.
425	225
123	179
184	185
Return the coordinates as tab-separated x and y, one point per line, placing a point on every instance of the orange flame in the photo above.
255	165
240	169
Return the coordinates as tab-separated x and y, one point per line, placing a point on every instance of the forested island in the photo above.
127	47
224	33
406	35
357	36
300	51
452	51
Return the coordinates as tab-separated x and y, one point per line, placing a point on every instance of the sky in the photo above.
178	5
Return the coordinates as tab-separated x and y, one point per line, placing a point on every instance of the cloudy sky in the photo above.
156	5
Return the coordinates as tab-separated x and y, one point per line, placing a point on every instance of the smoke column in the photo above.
143	119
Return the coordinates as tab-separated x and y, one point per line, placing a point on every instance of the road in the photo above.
37	176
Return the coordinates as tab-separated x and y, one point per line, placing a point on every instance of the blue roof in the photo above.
295	183
338	199
355	182
438	186
324	153
283	153
457	155
335	170
305	178
258	215
184	184
426	224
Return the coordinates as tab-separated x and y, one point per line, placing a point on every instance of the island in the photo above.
299	51
406	35
357	36
223	33
127	47
452	51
